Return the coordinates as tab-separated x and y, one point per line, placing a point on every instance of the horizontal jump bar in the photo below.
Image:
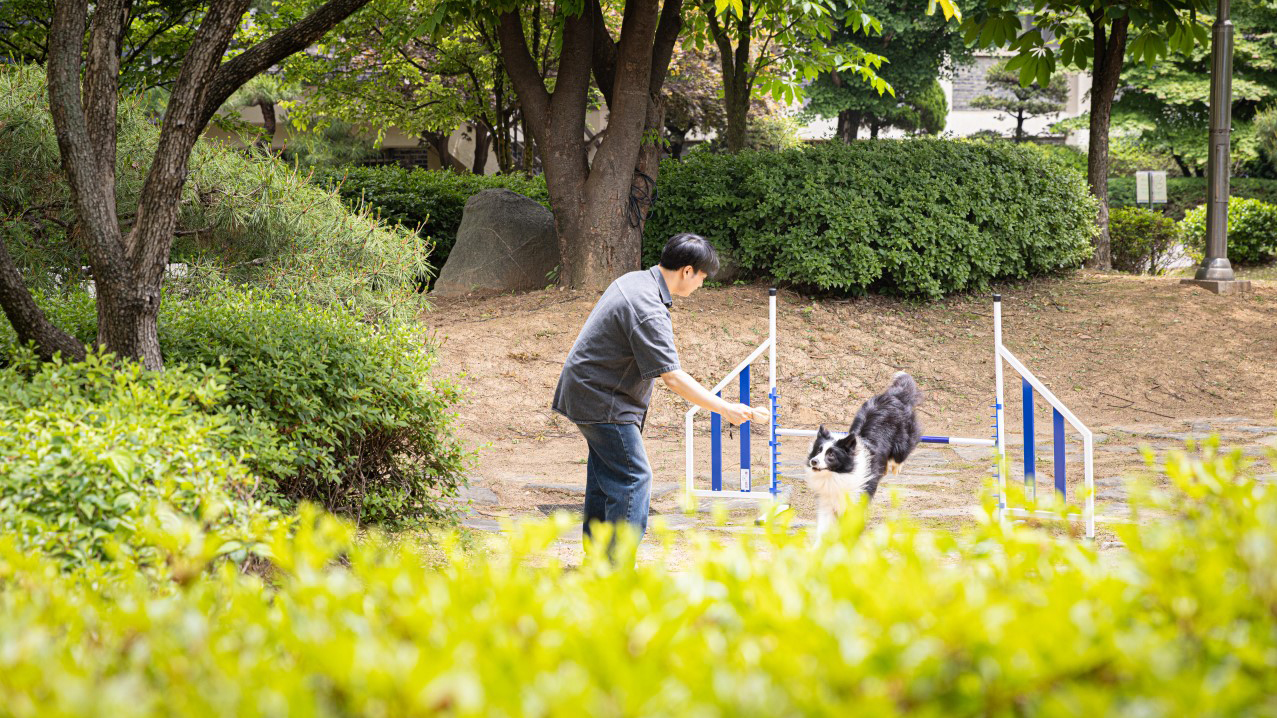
925	439
729	494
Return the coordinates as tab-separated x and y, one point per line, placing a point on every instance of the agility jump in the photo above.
774	491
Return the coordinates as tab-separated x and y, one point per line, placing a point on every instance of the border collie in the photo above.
881	437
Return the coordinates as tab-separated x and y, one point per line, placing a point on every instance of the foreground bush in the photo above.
1141	239
89	451
897	622
1252	231
917	217
428	201
244	217
330	409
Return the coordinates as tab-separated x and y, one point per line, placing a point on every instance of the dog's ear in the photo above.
823	433
848	442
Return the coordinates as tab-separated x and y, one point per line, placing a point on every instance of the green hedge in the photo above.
1185	193
894	621
1252	231
90	451
1141	239
916	217
330	409
427	201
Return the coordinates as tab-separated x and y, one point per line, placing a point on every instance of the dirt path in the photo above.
1126	354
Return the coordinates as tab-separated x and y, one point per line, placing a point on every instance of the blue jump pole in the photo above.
746	483
1030	459
1058	420
716	449
775	442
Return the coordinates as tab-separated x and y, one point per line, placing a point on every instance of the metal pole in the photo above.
1216	265
1030	443
1001	437
771	388
746	483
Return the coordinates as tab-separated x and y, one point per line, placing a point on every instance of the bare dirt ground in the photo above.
1142	361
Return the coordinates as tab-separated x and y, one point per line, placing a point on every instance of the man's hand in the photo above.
681	383
741	413
737	413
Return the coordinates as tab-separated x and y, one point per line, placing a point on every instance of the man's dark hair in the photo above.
689	249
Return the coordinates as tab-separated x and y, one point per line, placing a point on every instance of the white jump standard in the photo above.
774	490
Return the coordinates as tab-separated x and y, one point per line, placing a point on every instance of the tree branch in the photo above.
667	31
604	55
102	85
29	322
724	46
523	72
94	203
269	52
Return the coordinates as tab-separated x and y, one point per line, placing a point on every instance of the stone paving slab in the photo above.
479	495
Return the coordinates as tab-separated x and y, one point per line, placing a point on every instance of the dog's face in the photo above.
829	454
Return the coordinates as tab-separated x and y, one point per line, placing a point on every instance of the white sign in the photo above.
1150	187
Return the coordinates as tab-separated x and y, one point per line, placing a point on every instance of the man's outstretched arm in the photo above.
682	383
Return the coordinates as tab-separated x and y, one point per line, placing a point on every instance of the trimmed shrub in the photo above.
329	408
1252	231
917	217
1068	155
244	217
89	451
1141	239
1184	193
429	202
893	621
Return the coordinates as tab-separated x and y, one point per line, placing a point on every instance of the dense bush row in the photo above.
896	621
917	217
244	217
428	202
325	407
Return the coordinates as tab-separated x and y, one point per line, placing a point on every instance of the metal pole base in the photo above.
1221	286
1218	268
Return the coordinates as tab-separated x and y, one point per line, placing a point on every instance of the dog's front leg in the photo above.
826	517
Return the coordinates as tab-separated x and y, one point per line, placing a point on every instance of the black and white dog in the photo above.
883	434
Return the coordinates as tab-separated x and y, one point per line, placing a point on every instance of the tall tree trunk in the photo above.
1183	168
677	138
598	207
438	141
482	140
874	126
267	141
1019	126
849	122
529	165
737	119
1109	52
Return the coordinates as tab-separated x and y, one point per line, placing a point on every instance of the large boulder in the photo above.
506	242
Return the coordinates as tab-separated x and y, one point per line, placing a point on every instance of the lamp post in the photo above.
1215	272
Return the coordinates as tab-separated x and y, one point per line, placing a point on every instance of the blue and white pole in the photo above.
1000	452
772	394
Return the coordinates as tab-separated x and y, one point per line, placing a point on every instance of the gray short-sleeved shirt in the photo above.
627	341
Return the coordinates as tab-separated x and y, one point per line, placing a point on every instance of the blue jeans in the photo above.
618	480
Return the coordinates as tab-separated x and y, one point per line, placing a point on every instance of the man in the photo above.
606	383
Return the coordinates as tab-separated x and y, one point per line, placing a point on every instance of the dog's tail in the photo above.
904	388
